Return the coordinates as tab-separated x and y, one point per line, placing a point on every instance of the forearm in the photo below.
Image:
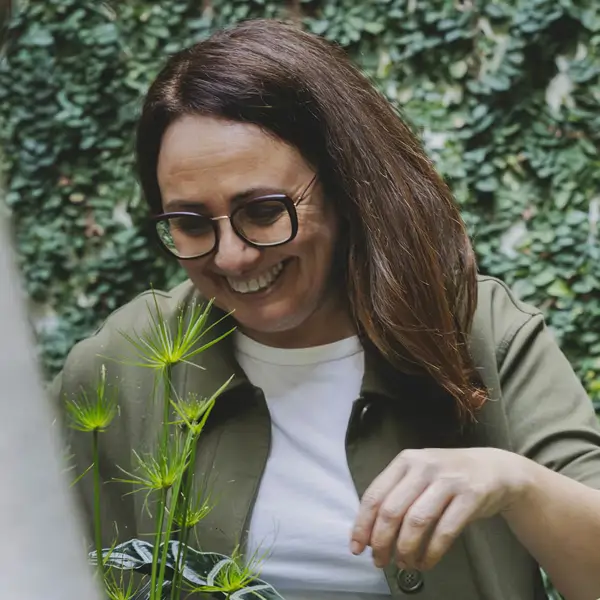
558	520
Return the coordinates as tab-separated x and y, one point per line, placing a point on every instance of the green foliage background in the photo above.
505	94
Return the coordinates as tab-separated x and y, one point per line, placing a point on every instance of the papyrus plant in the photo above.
167	475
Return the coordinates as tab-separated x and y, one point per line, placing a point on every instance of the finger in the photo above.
419	521
458	514
391	514
371	501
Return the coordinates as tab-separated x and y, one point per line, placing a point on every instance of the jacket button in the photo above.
363	411
409	580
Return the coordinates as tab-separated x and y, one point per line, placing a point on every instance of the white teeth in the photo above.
255	284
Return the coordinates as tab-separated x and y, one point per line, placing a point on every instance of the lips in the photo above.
257	283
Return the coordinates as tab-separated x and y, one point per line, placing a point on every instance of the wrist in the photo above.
523	483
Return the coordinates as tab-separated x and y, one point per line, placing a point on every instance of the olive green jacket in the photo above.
537	408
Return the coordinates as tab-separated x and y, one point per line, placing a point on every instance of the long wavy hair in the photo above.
409	267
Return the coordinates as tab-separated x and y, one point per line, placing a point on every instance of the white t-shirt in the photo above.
307	502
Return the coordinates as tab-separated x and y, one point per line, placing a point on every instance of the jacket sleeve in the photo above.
549	415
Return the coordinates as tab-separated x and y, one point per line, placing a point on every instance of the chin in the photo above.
276	313
270	320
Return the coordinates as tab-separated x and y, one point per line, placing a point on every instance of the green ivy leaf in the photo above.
560	289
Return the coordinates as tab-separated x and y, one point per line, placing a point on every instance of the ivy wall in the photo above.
505	94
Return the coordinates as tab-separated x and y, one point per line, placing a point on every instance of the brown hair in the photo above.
410	268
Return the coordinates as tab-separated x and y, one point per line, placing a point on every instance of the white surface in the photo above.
42	554
307	502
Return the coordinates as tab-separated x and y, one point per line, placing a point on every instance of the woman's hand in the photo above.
421	502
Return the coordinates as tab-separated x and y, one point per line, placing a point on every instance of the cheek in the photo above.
321	240
197	271
317	253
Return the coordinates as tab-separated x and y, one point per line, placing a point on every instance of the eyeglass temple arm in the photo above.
306	190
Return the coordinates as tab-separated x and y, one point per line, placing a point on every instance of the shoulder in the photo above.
137	313
499	316
109	340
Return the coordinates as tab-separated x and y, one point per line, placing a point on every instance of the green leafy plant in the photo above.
159	349
168	473
117	587
204	572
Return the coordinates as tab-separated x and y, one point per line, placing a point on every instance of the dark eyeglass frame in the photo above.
288	203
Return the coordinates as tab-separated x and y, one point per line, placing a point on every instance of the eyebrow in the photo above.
255	192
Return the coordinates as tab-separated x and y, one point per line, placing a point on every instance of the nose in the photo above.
233	255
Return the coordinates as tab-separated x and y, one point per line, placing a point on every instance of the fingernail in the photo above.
355	547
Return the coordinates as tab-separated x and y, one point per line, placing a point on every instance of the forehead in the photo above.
206	155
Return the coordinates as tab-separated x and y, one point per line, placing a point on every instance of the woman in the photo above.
397	424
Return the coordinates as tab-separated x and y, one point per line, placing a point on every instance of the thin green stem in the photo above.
177	576
161	517
156	581
184	544
184	534
97	517
170	519
167	403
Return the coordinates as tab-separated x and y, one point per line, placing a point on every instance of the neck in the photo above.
323	327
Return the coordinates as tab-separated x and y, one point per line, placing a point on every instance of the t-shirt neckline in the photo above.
297	356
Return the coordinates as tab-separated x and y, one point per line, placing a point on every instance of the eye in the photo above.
263	212
191	225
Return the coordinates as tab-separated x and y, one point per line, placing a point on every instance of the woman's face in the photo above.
206	165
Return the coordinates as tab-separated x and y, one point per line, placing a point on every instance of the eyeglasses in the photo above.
261	222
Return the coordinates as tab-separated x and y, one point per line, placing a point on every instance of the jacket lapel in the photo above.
233	449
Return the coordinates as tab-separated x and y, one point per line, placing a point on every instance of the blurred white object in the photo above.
41	554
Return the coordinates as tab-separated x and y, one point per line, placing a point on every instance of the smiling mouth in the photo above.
259	283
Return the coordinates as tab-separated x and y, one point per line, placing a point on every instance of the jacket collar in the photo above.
212	367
